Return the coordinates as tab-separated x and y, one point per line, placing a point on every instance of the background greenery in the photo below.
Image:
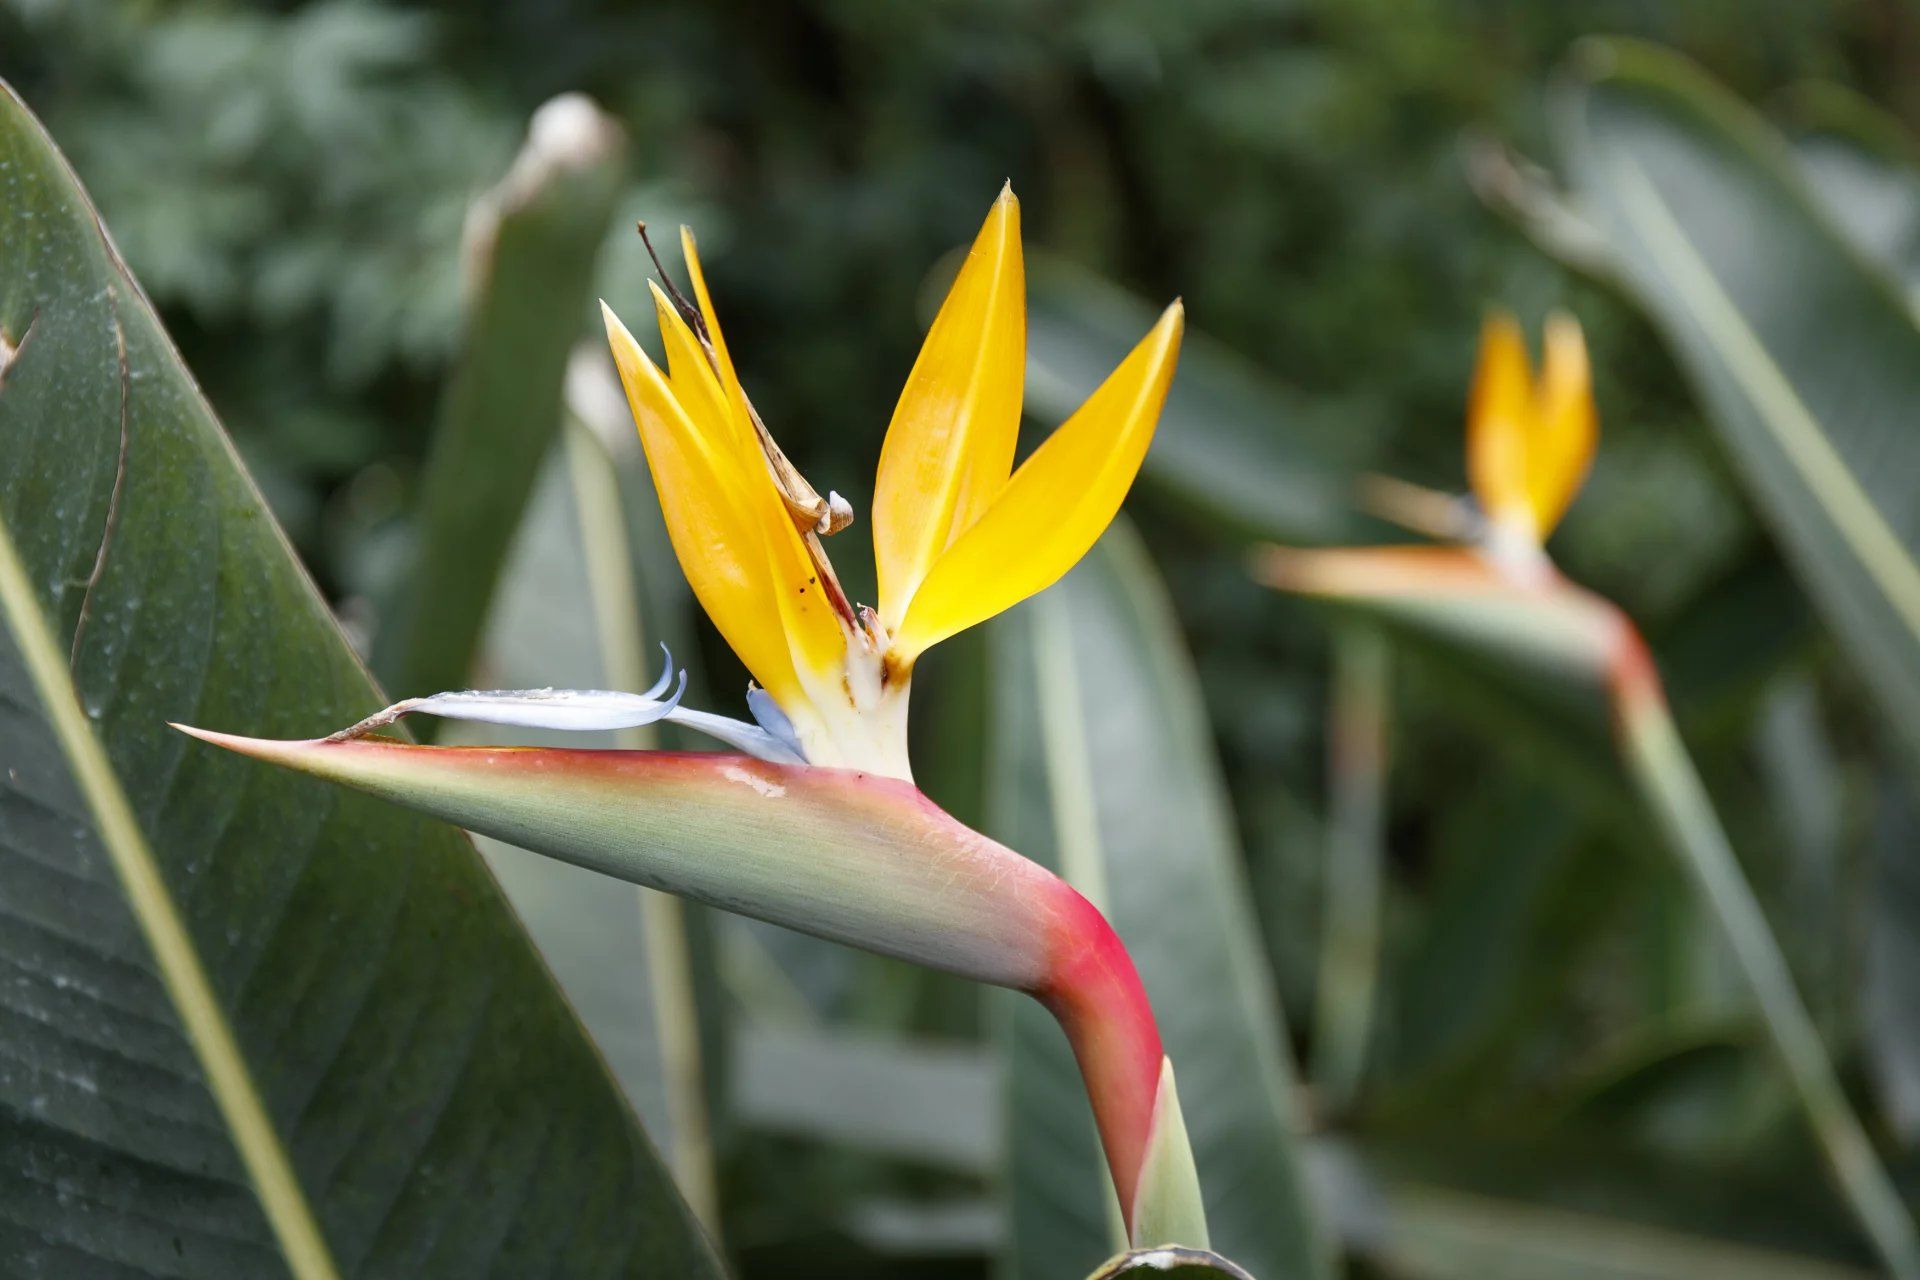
1555	1033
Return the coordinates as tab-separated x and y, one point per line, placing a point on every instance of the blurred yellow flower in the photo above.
1529	442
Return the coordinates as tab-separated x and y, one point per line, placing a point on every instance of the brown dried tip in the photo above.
688	312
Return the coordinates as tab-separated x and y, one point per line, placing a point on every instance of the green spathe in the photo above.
850	856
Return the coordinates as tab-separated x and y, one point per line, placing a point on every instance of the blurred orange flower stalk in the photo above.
1496	595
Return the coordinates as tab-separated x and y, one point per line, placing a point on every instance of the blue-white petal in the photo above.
750	738
589	710
768	715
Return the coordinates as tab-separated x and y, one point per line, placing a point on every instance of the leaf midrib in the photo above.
228	1077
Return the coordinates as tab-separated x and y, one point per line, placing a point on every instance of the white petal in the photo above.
566	709
587	710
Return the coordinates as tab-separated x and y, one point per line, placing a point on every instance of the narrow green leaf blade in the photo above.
1355	861
534	241
436	1102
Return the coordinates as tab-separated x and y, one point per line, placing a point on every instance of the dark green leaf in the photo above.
921	1101
1536	1218
1862	165
1892	1010
387	1038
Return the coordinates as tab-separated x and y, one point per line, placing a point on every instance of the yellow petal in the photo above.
813	630
1499	416
734	543
691	378
1566	427
950	444
1055	507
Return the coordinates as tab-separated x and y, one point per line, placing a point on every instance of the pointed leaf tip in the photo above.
1167	1209
275	750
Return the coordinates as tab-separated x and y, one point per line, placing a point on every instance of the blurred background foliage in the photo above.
290	183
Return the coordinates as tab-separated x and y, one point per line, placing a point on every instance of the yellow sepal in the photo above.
950	445
691	378
1054	508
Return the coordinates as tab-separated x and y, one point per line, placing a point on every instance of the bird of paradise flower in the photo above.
814	822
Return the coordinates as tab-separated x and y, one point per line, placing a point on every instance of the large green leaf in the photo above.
1804	352
1861	163
253	1026
533	242
1104	769
1495	936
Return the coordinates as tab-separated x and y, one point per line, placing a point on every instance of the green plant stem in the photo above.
617	619
1350	947
1658	761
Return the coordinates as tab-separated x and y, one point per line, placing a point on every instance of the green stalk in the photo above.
1350	949
623	649
1671	786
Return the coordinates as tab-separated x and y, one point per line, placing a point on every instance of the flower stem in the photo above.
1095	993
1668	781
1350	953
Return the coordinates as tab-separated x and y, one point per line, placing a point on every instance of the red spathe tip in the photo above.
1094	990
